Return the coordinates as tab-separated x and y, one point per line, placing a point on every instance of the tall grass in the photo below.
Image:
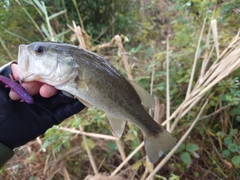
123	163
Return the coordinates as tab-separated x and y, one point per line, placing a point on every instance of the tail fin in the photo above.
156	144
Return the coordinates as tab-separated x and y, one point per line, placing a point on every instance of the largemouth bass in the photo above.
94	81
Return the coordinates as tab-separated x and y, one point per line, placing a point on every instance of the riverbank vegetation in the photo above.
185	53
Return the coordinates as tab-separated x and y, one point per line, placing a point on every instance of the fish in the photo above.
95	82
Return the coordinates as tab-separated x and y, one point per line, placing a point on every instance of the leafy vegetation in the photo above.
212	149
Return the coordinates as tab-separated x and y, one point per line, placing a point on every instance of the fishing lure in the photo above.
16	87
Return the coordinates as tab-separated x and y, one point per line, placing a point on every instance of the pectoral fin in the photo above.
84	102
146	98
117	124
82	85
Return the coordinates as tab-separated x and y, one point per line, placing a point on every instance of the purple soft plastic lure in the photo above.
26	97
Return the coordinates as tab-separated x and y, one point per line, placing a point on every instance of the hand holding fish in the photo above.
22	122
33	87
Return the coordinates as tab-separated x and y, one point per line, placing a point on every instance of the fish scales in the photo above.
106	85
94	81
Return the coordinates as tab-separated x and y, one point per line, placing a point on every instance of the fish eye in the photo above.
39	50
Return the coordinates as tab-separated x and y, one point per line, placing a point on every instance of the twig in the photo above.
116	40
195	59
65	174
95	135
121	149
149	165
144	174
214	147
119	43
222	67
90	156
40	143
215	35
216	112
206	55
168	86
152	79
79	33
127	159
169	155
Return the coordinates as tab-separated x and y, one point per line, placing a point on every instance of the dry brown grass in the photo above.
47	166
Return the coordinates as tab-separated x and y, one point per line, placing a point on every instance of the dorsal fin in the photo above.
146	98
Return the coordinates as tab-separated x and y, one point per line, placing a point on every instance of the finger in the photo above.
31	87
14	96
47	91
14	68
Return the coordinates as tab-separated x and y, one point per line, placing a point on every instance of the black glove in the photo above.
21	122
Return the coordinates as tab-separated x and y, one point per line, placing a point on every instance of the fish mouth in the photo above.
23	79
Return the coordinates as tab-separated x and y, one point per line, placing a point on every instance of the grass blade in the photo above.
57	14
6	49
17	36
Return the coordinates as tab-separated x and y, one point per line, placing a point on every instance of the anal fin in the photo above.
117	124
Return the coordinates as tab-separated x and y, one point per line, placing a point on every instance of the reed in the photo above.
210	74
224	65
